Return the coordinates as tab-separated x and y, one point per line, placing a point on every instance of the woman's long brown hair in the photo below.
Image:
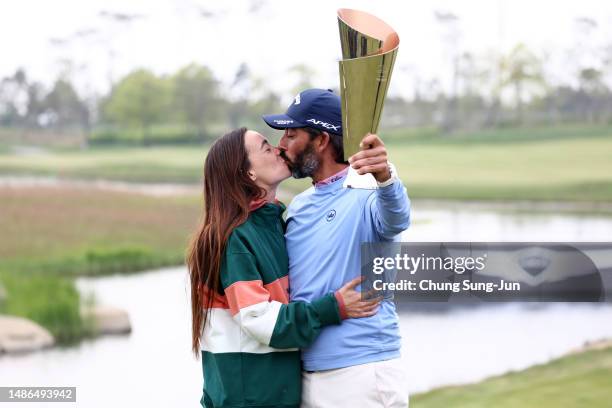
228	192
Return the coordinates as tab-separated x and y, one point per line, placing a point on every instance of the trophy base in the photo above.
361	181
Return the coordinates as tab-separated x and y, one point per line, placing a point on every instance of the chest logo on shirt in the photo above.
330	215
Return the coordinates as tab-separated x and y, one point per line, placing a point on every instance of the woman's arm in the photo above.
263	314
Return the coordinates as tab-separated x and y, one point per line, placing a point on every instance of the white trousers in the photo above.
379	384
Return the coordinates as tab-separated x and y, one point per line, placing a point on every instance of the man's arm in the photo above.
389	206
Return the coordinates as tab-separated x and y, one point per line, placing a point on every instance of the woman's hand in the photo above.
353	305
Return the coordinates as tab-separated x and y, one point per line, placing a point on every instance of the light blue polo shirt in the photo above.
326	225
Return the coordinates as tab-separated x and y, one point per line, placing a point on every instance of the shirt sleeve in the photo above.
262	312
389	209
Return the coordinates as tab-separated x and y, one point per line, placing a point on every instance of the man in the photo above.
356	363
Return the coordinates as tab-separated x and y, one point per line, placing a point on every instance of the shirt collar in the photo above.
257	204
342	173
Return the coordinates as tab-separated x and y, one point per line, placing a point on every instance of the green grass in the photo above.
88	231
50	235
578	380
553	163
51	301
569	169
155	164
432	135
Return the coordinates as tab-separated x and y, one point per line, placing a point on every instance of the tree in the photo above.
593	90
241	88
196	96
35	105
519	70
451	36
64	106
140	99
14	99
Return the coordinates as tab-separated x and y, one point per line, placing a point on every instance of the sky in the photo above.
273	35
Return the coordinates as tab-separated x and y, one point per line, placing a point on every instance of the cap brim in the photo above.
282	121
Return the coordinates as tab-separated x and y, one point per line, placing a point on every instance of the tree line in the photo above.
192	105
186	106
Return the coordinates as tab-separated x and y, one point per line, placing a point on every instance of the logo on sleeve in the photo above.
330	215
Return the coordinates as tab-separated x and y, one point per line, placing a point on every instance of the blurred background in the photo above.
498	118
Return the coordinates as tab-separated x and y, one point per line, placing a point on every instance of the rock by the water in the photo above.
107	319
19	335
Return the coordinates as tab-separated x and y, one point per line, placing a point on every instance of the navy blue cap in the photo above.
317	108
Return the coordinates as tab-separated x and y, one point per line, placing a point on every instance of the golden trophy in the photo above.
369	47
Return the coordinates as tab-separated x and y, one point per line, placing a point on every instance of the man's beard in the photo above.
305	164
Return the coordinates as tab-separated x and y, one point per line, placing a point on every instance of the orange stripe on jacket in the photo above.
219	301
279	289
243	294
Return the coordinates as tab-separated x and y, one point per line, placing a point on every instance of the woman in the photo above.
242	321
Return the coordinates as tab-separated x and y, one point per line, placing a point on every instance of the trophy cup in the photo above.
369	47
